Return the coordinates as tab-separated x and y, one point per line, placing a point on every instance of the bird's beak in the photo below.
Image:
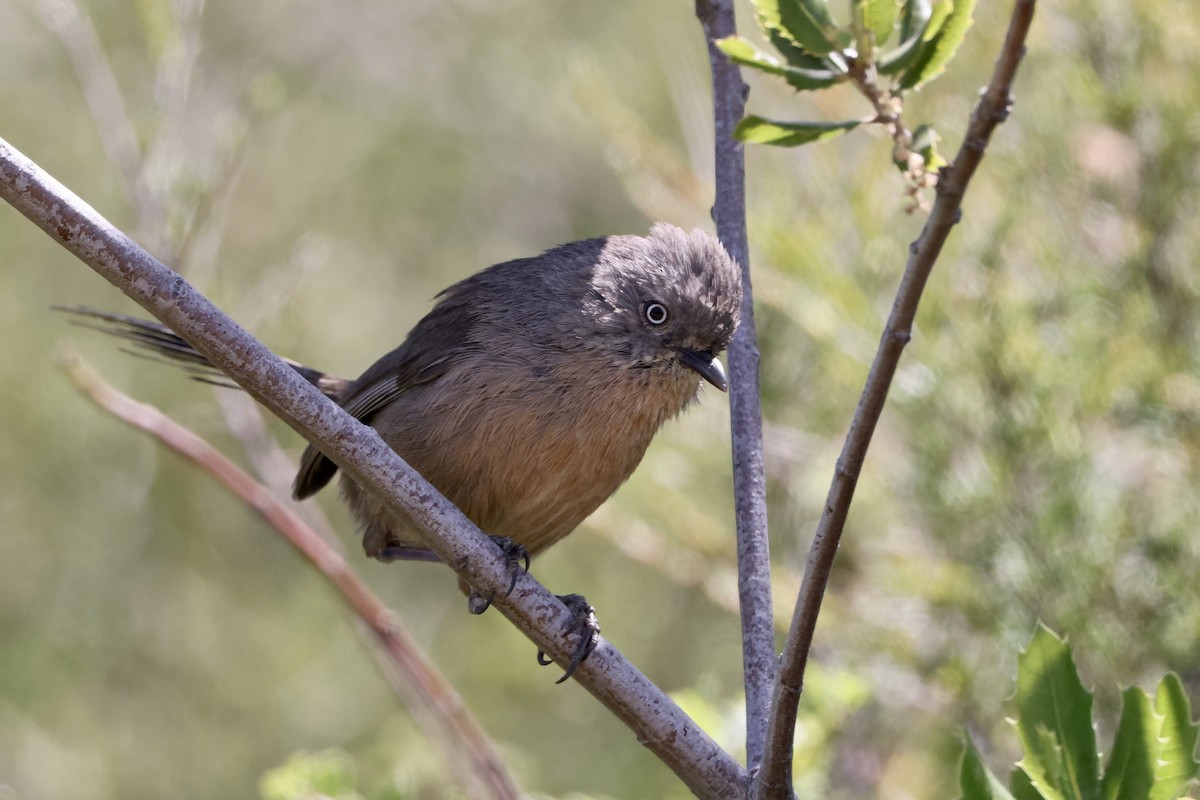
708	365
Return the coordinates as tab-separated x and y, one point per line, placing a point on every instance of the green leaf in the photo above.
742	52
876	16
976	780
1129	773
805	22
946	30
937	18
925	141
914	18
1057	774
1178	734
1054	721
788	134
1152	756
797	56
913	23
1022	787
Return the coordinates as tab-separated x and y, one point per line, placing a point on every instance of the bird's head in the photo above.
669	301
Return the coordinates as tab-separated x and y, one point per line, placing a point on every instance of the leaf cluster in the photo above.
1153	753
884	48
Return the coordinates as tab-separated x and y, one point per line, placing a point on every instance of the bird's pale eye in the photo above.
656	313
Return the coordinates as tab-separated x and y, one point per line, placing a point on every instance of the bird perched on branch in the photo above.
531	390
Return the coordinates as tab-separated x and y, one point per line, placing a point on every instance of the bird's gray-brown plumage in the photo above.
530	392
532	389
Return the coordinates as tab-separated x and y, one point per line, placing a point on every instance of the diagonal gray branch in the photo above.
749	473
656	720
774	779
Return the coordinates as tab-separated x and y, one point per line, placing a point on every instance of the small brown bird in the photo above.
531	391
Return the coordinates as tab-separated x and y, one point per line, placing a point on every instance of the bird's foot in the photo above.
516	560
585	625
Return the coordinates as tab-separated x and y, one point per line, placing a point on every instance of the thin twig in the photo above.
749	475
774	779
436	707
888	109
158	179
73	27
656	720
204	218
887	106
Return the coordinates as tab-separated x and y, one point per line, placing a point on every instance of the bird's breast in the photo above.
530	459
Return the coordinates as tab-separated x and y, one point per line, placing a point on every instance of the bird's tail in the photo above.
157	342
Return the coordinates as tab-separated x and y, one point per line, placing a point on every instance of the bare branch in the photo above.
774	779
434	704
656	720
749	475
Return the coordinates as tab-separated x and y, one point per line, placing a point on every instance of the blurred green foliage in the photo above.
321	170
329	773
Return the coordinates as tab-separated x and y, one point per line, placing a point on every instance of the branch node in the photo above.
1003	110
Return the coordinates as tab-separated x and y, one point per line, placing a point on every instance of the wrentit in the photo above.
531	390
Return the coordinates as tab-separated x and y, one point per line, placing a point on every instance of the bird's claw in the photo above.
585	624
516	560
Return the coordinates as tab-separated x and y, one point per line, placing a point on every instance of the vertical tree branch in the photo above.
774	779
749	476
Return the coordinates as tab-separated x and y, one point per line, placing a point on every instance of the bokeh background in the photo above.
321	170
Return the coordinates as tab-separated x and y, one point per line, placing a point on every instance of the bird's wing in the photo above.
437	342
